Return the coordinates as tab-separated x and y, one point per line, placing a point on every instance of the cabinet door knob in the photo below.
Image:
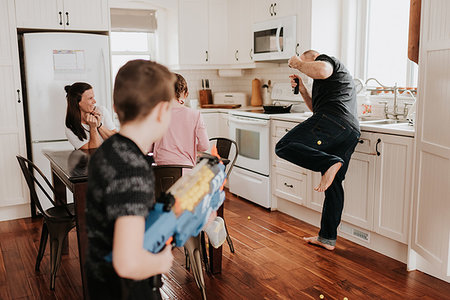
236	55
271	10
18	96
207	56
250	53
60	18
286	130
361	141
296	49
67	18
274	12
376	147
288	185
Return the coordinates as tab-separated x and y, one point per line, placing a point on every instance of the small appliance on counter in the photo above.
228	100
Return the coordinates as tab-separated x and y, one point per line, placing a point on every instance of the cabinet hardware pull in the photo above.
361	141
288	185
296	49
286	130
274	12
236	55
250	53
67	18
376	147
207	56
60	18
270	10
18	96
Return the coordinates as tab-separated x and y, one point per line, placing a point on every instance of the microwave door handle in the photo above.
278	37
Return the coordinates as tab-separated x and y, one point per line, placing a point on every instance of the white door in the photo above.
359	191
92	15
42	14
13	191
393	187
193	32
430	239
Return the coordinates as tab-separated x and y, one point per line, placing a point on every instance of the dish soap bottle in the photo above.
366	106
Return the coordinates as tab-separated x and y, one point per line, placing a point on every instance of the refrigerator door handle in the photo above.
108	104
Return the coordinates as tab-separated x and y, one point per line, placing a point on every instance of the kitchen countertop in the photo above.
403	129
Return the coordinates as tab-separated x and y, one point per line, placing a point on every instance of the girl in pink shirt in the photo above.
186	133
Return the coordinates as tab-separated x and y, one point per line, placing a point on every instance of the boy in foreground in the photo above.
121	188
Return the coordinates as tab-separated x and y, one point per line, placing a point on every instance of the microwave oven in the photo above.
274	39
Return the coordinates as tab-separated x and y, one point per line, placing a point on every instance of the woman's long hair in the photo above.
73	115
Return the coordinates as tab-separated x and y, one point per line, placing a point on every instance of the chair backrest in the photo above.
166	176
224	147
27	168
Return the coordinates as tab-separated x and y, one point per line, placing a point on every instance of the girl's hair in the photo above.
73	115
139	86
180	86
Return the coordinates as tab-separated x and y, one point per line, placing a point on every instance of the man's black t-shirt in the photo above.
120	183
336	94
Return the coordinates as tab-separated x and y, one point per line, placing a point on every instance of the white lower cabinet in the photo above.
377	185
217	124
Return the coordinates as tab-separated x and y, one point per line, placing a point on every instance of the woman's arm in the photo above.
202	135
105	132
106	126
130	259
94	139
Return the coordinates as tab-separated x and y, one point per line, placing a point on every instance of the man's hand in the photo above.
295	62
301	86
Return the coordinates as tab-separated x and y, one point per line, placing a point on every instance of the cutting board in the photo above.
221	105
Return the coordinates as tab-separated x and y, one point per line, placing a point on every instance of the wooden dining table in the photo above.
70	169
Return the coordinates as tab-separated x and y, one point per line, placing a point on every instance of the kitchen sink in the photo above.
384	122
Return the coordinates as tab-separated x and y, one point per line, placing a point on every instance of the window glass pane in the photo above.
129	41
388	41
248	143
118	61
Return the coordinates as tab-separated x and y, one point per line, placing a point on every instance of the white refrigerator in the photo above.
52	61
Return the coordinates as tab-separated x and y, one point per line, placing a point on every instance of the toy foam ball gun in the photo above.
185	208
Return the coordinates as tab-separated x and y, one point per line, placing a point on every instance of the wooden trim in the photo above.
414	30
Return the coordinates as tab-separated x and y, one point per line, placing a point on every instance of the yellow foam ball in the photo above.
321	296
249	218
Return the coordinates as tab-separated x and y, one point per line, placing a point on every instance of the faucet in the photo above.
395	114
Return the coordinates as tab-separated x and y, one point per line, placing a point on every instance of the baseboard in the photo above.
15	212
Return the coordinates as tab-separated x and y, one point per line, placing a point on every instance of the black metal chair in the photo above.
224	149
165	177
58	220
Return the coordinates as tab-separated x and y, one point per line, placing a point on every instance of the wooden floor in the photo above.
271	262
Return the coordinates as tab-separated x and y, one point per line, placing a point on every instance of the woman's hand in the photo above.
92	121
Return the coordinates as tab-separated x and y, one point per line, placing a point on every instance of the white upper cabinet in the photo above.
240	20
267	9
13	192
87	15
193	32
218	31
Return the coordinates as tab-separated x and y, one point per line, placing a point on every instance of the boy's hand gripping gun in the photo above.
185	208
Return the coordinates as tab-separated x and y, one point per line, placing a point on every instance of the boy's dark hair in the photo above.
74	94
140	85
180	86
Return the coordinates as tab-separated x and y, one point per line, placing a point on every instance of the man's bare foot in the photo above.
328	177
313	240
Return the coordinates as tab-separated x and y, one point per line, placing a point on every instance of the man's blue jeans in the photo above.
317	144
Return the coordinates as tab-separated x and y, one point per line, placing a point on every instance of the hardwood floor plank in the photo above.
271	262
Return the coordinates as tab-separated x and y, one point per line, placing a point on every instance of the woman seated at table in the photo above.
87	125
186	133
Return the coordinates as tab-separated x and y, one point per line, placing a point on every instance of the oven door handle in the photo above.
246	121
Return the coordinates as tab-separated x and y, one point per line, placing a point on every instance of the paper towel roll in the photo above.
256	99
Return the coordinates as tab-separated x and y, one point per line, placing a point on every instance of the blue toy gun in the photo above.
185	208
